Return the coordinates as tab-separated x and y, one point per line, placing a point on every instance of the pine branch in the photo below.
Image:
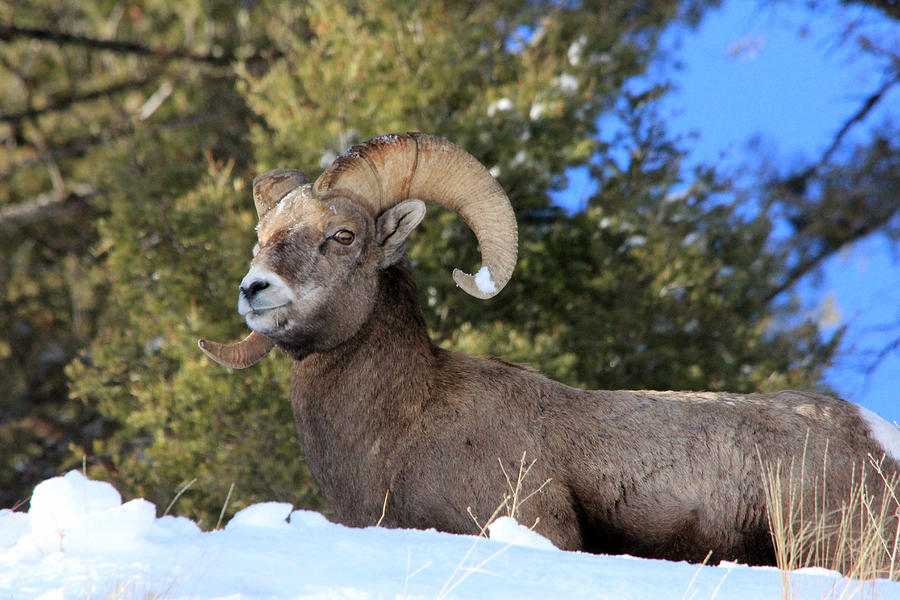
799	181
886	350
80	146
860	114
68	149
890	8
67	101
9	32
812	262
46	206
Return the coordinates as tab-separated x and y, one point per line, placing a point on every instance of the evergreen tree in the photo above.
657	283
86	85
504	81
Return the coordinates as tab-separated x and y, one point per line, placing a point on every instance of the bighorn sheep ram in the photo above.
382	412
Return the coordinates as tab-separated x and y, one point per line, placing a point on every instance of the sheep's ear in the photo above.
393	228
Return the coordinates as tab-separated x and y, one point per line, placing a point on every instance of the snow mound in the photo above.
506	529
73	513
13	526
78	541
265	514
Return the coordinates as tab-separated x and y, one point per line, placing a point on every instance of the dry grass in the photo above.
513	500
856	535
224	507
129	591
510	504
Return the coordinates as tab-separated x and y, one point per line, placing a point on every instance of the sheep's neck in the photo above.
358	406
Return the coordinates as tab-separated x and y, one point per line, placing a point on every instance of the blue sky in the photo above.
778	71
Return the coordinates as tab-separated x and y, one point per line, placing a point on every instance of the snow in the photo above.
484	282
575	50
505	529
567	83
887	435
78	540
537	110
501	105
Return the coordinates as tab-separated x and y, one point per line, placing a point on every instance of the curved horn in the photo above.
241	355
270	187
387	170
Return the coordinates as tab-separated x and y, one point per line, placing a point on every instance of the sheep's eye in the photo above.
344	237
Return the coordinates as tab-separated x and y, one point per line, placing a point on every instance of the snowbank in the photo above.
78	540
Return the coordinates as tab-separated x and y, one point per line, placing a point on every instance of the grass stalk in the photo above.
225	506
857	535
383	508
178	494
511	502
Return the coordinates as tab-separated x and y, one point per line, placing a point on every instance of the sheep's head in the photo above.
313	277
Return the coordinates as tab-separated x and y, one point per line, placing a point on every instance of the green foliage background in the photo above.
661	281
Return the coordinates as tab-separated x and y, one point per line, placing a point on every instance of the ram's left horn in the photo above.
241	355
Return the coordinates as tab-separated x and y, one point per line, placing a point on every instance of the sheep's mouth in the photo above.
256	311
267	320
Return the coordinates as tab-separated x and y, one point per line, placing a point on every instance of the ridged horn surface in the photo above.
270	187
241	355
387	170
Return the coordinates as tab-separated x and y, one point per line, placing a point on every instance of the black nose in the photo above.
255	286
